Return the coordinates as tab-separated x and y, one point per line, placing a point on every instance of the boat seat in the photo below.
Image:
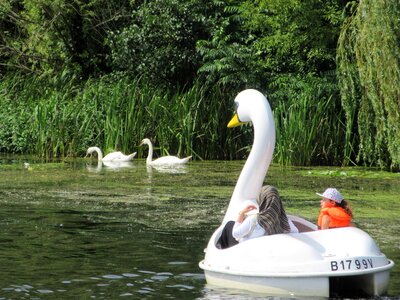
302	224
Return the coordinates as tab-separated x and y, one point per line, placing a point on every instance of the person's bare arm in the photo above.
325	222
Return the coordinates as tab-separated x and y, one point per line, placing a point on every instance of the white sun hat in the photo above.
332	194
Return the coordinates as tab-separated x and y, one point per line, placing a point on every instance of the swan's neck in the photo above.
150	155
253	173
99	164
99	154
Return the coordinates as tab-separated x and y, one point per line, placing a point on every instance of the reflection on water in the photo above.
170	169
67	232
118	164
110	165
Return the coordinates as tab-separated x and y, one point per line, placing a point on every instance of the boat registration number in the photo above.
351	264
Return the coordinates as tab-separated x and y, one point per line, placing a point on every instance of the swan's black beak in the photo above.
234	122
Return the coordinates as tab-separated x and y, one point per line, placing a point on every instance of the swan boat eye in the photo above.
236	104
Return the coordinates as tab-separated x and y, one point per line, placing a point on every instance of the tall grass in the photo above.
308	123
178	122
59	118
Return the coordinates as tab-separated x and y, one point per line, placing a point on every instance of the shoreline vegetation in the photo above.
108	74
115	115
63	119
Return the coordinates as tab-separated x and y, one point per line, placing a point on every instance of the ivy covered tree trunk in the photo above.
369	76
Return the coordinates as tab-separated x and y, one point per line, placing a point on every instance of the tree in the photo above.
11	36
369	76
49	35
257	42
160	43
228	58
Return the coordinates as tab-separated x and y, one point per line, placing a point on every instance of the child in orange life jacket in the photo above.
335	211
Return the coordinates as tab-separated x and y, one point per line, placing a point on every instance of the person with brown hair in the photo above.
264	217
270	219
335	211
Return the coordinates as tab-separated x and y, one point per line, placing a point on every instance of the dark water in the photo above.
68	230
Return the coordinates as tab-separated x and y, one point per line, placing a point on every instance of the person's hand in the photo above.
248	208
243	212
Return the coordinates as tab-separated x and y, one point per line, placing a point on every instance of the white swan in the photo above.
291	264
164	160
110	157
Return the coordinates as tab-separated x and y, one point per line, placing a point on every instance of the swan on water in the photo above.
164	160
110	165
117	156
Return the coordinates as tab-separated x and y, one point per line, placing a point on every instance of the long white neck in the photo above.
99	153
99	165
150	154
253	173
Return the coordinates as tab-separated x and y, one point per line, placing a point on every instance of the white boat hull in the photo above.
317	263
272	286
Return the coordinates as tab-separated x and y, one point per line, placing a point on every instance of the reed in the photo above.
64	119
308	124
59	118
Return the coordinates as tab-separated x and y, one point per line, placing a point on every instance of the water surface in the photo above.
72	229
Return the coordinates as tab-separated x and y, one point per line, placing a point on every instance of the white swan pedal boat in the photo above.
318	263
313	263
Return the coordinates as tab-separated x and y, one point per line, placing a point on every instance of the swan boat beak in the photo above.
234	122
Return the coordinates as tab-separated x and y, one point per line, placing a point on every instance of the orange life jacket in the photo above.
338	217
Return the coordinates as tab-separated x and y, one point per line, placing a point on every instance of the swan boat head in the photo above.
252	106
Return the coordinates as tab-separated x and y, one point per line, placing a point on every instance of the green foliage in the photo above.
64	119
228	59
187	57
308	127
59	118
369	73
46	36
256	42
294	36
159	43
11	35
